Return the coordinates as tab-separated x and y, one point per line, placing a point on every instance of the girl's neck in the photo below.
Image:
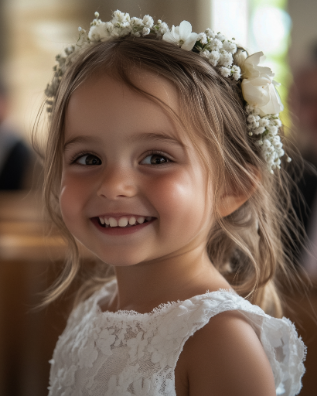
145	286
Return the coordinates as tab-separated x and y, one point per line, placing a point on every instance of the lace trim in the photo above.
144	348
160	309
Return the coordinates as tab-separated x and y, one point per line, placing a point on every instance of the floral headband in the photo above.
257	84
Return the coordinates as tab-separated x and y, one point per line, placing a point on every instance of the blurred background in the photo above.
32	32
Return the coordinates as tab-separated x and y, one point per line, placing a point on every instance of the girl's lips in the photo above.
119	230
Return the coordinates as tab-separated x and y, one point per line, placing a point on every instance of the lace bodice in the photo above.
126	353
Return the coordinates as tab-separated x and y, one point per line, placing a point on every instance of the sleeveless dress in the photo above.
126	353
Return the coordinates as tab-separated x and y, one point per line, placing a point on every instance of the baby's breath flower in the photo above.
163	28
210	33
136	22
214	57
204	54
202	38
258	130
220	36
225	72
236	72
225	59
148	21
146	31
264	122
229	46
97	31
215	44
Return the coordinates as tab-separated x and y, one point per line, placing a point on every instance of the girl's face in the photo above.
124	161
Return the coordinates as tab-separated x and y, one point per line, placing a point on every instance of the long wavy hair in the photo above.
248	246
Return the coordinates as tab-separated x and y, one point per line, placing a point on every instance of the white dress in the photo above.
126	353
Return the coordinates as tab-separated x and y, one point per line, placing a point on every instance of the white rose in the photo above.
258	87
182	35
250	65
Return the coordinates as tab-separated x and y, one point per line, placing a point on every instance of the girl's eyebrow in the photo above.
157	136
81	139
139	137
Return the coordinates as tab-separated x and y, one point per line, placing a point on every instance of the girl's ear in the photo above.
231	200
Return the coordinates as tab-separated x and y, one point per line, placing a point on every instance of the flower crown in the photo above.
263	103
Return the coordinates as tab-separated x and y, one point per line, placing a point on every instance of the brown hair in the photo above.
247	247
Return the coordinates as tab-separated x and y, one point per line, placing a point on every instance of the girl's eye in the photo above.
155	159
88	159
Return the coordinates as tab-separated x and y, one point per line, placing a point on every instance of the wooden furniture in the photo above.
29	263
30	260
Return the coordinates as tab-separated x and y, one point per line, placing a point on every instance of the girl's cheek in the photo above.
72	198
178	198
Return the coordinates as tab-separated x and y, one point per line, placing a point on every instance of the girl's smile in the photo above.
121	225
132	190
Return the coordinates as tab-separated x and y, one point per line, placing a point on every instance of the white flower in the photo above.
236	72
251	119
225	72
266	143
277	122
250	68
146	31
259	130
204	54
52	88
83	38
210	33
202	38
258	88
220	36
98	31
121	31
229	46
182	35
215	44
226	59
163	27
136	22
69	50
120	17
264	122
148	21
272	129
214	57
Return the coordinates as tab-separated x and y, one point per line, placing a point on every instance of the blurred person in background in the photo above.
303	106
16	158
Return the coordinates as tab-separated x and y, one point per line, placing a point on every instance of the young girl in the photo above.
163	158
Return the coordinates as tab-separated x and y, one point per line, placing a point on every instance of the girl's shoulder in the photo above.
234	336
226	357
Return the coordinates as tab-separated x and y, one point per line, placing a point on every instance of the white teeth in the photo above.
123	222
140	220
132	220
113	222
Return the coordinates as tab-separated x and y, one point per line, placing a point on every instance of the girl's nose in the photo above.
117	182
